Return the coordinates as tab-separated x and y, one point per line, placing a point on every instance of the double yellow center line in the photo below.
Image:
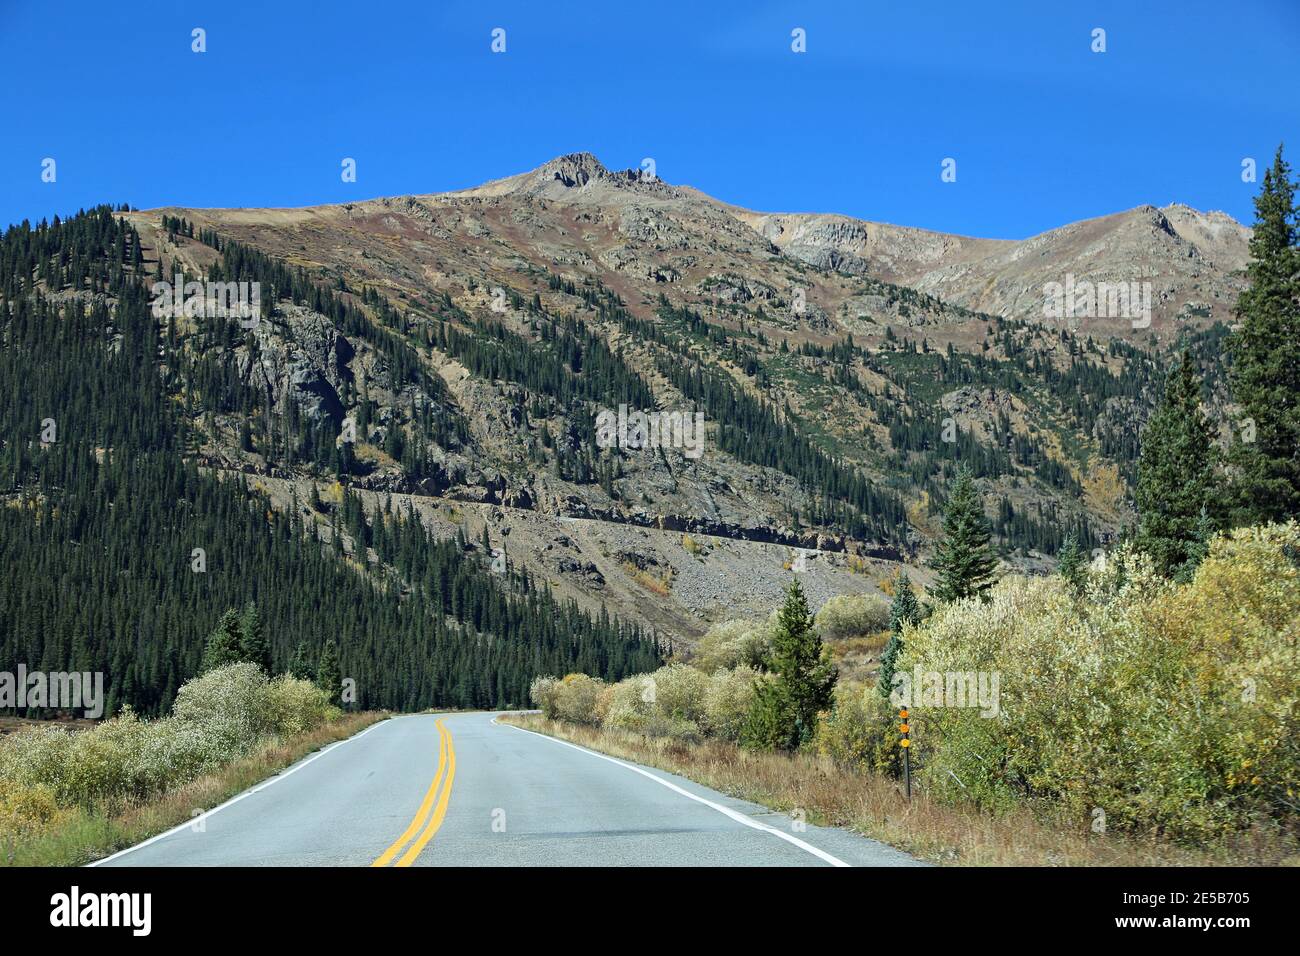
432	809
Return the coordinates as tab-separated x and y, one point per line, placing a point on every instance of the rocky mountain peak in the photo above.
571	170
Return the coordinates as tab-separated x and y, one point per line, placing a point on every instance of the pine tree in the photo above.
300	665
1265	353
1175	473
1070	562
904	610
223	646
784	714
253	645
1199	547
329	677
963	558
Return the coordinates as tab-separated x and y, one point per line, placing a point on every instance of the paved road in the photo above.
461	790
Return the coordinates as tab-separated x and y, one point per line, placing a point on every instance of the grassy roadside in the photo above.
81	836
874	806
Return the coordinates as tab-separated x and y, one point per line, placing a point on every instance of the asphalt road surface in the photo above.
463	790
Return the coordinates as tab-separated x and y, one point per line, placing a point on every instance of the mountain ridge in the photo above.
838	400
996	276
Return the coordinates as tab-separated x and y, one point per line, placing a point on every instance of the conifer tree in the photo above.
253	645
329	677
1070	563
784	714
223	646
1265	353
904	610
1175	474
963	558
300	665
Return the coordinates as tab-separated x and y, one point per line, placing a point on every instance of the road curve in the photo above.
463	790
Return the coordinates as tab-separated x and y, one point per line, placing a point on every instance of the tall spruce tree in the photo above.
300	665
904	610
962	557
784	714
253	645
329	677
1176	475
1265	353
1069	562
223	646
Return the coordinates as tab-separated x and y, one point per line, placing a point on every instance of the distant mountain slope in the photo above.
121	554
1194	261
843	369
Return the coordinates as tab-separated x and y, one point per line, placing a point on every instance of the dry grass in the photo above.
81	836
655	584
858	658
874	806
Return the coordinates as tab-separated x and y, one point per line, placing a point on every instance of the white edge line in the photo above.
726	811
235	799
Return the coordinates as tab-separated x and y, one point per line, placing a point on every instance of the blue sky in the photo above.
1044	130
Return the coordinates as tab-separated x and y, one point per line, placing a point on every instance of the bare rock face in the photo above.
300	357
979	410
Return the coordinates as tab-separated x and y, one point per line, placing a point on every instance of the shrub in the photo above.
861	731
604	702
728	699
218	717
658	704
1169	707
576	698
849	615
732	643
679	692
230	703
632	705
544	692
172	753
295	706
25	811
104	762
35	756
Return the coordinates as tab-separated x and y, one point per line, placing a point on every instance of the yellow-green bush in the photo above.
25	810
217	718
679	692
632	704
851	615
732	643
35	756
296	706
230	703
666	703
577	697
861	731
727	701
604	703
544	692
678	701
1169	708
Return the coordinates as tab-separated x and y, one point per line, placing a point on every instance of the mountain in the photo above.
441	362
1195	261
